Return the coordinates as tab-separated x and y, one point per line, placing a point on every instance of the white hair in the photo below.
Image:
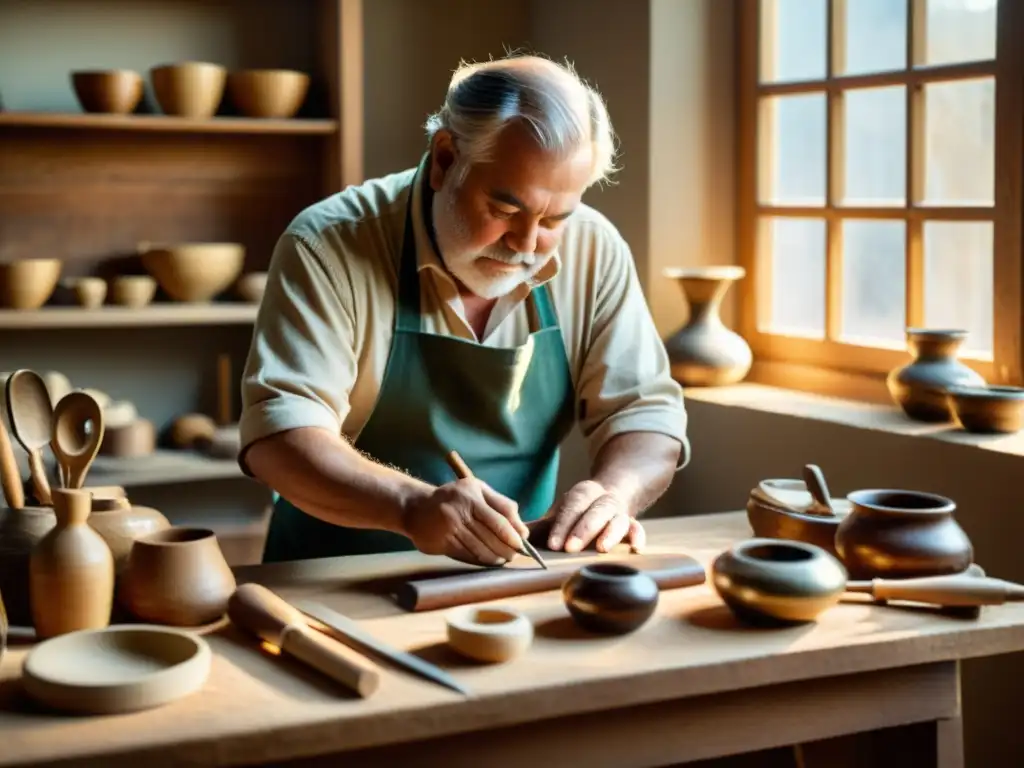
562	112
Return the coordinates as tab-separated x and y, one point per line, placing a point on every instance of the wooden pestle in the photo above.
256	609
954	590
668	572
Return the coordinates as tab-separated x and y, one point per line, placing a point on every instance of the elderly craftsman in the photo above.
474	304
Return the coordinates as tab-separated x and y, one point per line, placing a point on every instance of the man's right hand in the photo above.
466	520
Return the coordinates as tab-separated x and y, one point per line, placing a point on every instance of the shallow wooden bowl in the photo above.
988	410
272	93
122	668
133	291
189	88
489	633
193	272
28	283
111	91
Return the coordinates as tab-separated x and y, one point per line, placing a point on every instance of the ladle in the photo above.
77	434
31	414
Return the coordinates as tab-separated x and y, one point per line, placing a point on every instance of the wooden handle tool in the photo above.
256	609
463	472
955	590
10	478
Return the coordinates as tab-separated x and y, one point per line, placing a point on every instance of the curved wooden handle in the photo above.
39	481
668	572
952	590
14	492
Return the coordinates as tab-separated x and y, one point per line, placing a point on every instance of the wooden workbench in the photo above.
690	685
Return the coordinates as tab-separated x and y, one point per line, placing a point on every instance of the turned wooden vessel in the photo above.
899	534
921	386
770	582
988	410
610	598
491	634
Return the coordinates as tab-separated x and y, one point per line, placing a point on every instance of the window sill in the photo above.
848	412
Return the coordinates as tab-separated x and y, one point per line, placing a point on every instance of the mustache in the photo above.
507	256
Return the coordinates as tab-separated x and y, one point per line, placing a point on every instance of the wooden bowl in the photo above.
489	633
28	283
191	431
273	93
250	287
90	292
189	88
111	91
122	668
989	409
135	439
771	582
193	272
133	291
770	520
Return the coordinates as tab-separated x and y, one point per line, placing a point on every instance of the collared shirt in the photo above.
324	328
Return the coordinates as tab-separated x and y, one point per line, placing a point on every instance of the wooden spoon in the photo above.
816	484
28	404
10	478
77	434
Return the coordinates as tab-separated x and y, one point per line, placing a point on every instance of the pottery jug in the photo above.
177	576
704	352
920	387
896	534
610	598
71	571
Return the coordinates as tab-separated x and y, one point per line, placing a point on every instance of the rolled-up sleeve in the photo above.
625	383
301	363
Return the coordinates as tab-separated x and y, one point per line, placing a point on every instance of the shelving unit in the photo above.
167	123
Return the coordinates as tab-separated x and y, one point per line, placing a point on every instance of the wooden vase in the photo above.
921	387
71	571
704	352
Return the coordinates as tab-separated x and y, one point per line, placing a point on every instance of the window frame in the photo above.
795	360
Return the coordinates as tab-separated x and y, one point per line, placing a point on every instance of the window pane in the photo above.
796	149
876	36
959	152
875	155
874	282
797	254
958	284
959	30
793	38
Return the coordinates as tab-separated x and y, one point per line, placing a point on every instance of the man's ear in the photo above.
443	157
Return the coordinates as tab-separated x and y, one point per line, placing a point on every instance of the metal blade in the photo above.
350	631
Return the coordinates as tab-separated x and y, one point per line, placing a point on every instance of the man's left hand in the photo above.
590	512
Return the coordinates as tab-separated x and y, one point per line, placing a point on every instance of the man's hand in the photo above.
466	520
590	512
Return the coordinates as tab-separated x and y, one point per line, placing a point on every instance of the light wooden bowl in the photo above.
118	669
112	91
193	272
132	290
28	283
189	88
135	439
273	93
90	292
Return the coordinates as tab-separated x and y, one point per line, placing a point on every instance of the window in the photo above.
880	179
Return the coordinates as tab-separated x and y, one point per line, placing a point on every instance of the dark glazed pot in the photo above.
609	598
921	387
766	582
895	534
704	352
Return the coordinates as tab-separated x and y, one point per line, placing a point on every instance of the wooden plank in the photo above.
258	707
166	123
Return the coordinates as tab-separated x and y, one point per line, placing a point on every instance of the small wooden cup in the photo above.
133	291
90	292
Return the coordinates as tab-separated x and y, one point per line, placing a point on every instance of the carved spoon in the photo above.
77	434
28	404
815	480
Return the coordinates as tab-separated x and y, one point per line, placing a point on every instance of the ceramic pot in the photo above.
988	410
177	576
71	571
20	531
921	386
774	521
894	534
769	582
121	523
704	352
610	598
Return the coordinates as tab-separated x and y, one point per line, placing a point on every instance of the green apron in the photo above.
505	410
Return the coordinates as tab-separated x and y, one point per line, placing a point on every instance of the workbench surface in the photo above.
261	708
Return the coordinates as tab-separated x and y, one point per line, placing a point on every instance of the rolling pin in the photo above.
955	590
258	610
668	572
10	478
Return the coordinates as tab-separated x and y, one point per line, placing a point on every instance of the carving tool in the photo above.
348	631
462	470
256	609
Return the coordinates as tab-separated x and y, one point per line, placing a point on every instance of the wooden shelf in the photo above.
162	467
166	123
124	317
